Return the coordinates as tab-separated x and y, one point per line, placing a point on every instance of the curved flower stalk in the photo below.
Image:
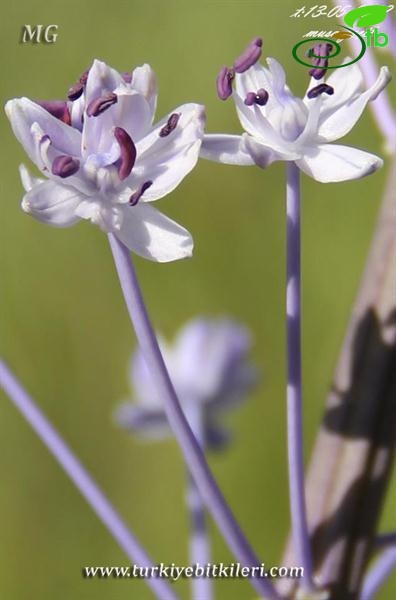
188	442
208	364
81	478
104	160
281	126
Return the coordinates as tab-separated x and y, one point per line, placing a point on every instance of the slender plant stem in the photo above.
81	479
199	535
193	455
294	384
378	574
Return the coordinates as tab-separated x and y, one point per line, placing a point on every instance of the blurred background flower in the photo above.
208	363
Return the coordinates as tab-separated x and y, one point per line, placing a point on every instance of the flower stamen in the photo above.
322	88
224	83
260	98
320	60
98	106
57	108
135	197
77	89
128	153
250	56
65	166
170	125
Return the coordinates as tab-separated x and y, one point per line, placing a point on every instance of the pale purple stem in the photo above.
378	574
294	392
199	534
193	455
81	479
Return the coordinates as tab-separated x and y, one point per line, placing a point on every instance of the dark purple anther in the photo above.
322	88
77	89
320	60
64	166
98	106
134	199
250	56
170	125
224	83
128	153
260	98
57	108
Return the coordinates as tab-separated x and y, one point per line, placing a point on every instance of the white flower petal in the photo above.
152	235
23	113
261	155
53	204
227	149
145	82
337	120
331	163
167	160
28	180
133	113
102	79
107	216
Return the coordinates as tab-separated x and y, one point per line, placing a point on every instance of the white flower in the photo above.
105	161
280	126
209	367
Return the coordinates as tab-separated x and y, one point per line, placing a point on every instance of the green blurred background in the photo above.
66	333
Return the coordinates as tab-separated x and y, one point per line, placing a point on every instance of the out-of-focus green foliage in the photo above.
65	331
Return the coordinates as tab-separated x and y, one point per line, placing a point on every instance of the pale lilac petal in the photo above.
102	79
152	235
23	113
165	161
28	180
260	154
331	163
53	204
144	81
337	120
107	216
132	113
227	149
209	354
148	423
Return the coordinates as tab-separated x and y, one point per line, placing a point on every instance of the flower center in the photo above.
289	118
